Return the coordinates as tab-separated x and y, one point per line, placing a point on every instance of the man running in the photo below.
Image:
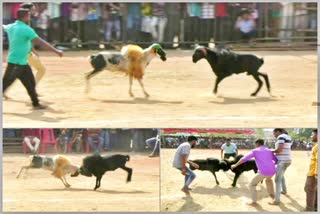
21	36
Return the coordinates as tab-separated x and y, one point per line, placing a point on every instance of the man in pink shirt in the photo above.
265	161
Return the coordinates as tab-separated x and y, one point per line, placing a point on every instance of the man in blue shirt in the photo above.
229	149
21	36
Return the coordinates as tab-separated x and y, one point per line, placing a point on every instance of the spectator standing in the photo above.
207	23
286	22
65	9
222	22
113	21
146	21
63	139
43	21
311	186
54	14
275	19
82	19
159	21
191	26
75	18
95	135
173	11
107	140
133	24
91	24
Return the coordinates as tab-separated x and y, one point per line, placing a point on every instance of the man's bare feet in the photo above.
271	196
284	193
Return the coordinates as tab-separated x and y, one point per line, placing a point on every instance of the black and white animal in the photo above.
97	165
60	166
132	60
214	165
224	63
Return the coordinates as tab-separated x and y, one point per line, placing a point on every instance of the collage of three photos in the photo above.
159	106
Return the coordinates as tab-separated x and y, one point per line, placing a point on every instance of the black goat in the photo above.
224	63
247	166
210	164
97	165
214	165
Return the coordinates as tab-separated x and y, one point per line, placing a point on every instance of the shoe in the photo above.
39	107
284	193
274	203
186	191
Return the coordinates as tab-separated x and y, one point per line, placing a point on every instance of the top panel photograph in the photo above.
159	64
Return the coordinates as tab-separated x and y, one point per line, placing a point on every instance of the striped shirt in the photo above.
285	155
207	11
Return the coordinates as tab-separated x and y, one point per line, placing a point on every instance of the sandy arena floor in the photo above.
180	95
207	196
39	191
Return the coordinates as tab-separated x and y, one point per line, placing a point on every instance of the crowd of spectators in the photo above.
97	139
185	23
217	142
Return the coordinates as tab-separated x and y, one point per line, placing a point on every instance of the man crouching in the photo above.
180	160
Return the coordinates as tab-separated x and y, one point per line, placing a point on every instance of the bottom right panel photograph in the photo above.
239	169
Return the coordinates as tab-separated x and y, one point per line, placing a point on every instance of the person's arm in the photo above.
183	162
221	151
274	158
243	160
44	44
33	50
236	151
193	164
237	24
280	146
237	164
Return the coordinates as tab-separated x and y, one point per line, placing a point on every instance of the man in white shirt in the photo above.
181	158
283	153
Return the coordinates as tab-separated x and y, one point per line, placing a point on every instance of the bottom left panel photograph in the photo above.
87	170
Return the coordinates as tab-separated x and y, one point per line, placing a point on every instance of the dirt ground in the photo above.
207	196
39	191
180	95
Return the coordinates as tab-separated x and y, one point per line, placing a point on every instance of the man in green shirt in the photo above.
21	36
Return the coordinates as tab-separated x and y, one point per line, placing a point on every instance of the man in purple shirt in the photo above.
265	161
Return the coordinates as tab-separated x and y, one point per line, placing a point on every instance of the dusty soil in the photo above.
181	95
207	196
37	190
